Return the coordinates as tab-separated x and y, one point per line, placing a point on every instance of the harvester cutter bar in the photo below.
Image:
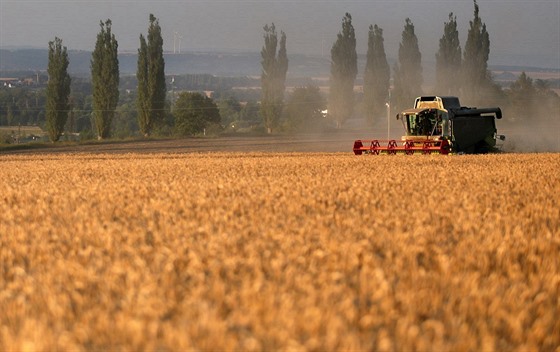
377	146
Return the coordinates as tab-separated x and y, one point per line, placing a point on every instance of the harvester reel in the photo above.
408	147
426	148
375	147
392	147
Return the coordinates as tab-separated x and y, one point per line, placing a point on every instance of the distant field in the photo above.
541	75
279	251
24	130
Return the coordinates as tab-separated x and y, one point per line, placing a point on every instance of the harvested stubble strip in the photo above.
278	251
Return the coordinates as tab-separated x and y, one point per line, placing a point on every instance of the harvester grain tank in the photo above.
439	124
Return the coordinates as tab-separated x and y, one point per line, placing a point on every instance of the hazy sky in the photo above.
521	32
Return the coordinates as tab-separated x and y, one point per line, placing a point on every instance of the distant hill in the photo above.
214	63
37	60
223	64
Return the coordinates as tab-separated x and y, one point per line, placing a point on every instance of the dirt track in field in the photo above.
334	142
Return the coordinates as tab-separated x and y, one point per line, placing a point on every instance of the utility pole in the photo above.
388	105
388	119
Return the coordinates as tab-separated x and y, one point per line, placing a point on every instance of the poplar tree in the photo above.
344	68
105	79
376	76
448	59
475	63
273	77
282	65
145	121
58	90
408	70
151	79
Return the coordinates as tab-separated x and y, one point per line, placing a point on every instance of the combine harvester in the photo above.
440	125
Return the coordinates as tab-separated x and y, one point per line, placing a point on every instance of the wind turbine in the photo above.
175	37
180	39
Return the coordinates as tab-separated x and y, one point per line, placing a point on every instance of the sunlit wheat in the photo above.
279	251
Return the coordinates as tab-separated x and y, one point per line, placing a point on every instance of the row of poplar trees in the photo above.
456	73
105	82
465	74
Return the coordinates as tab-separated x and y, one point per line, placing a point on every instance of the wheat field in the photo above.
279	251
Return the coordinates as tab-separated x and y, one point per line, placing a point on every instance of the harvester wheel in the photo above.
445	147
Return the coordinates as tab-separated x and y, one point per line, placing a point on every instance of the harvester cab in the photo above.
440	125
424	123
